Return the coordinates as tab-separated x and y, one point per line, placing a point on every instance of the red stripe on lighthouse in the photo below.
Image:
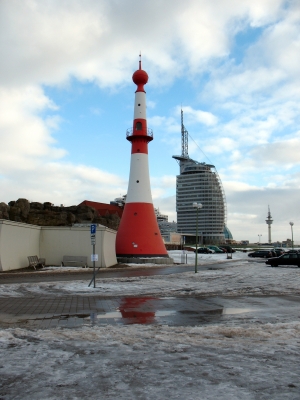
139	145
139	234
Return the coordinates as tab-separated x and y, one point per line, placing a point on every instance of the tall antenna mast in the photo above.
184	139
269	222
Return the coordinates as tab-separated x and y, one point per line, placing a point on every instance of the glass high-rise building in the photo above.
199	182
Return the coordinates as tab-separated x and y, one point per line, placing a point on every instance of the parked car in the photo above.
261	254
204	250
285	259
216	249
227	248
279	252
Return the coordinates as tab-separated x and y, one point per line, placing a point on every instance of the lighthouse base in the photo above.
145	260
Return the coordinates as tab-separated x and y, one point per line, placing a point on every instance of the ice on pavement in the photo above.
244	277
227	361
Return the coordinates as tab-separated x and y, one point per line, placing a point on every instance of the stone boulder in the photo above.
46	214
24	207
4	211
36	206
47	218
19	210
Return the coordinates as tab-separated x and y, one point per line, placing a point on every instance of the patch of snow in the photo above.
152	362
231	361
241	278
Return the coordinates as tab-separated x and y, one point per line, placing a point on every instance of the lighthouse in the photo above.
138	234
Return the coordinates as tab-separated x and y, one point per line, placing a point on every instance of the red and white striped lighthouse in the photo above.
138	234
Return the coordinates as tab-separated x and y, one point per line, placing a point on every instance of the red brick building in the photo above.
103	208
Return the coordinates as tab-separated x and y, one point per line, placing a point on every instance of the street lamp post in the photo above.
197	206
292	223
259	236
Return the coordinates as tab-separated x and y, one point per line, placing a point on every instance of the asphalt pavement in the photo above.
87	273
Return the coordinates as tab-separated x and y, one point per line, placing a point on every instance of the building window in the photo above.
138	126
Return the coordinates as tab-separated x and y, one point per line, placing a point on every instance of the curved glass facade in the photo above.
199	182
227	233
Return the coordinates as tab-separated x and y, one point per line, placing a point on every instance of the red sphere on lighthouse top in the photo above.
140	78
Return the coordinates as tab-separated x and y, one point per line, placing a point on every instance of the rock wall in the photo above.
46	214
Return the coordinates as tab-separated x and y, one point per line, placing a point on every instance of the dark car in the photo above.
228	249
285	259
204	250
279	252
261	254
216	249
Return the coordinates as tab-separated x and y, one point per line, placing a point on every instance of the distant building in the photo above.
103	208
199	182
227	234
165	227
119	201
244	241
173	238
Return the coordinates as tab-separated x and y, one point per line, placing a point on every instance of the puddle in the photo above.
139	317
136	316
172	311
238	310
114	314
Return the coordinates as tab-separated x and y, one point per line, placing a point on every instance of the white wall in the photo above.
18	240
56	242
109	244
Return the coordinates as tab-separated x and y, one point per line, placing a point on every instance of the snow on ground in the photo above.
246	360
152	362
178	256
243	277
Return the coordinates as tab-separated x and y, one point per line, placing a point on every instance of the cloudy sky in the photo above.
67	96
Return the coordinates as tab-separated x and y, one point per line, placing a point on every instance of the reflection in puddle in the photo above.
139	317
165	313
149	310
135	310
113	314
138	310
238	310
146	310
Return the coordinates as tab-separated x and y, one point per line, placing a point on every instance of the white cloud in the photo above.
151	104
98	40
219	146
61	182
30	162
193	116
279	46
24	135
167	124
277	154
248	208
249	111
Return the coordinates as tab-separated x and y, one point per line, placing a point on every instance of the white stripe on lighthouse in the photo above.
140	105
139	182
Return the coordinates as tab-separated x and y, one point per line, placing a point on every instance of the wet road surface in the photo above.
76	311
86	274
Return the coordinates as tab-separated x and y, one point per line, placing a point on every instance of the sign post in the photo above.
93	242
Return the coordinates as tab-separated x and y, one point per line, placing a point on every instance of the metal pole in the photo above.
196	258
292	223
94	276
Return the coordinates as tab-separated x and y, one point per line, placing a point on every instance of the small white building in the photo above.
19	240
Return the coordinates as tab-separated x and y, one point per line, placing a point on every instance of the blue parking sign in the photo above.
93	229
